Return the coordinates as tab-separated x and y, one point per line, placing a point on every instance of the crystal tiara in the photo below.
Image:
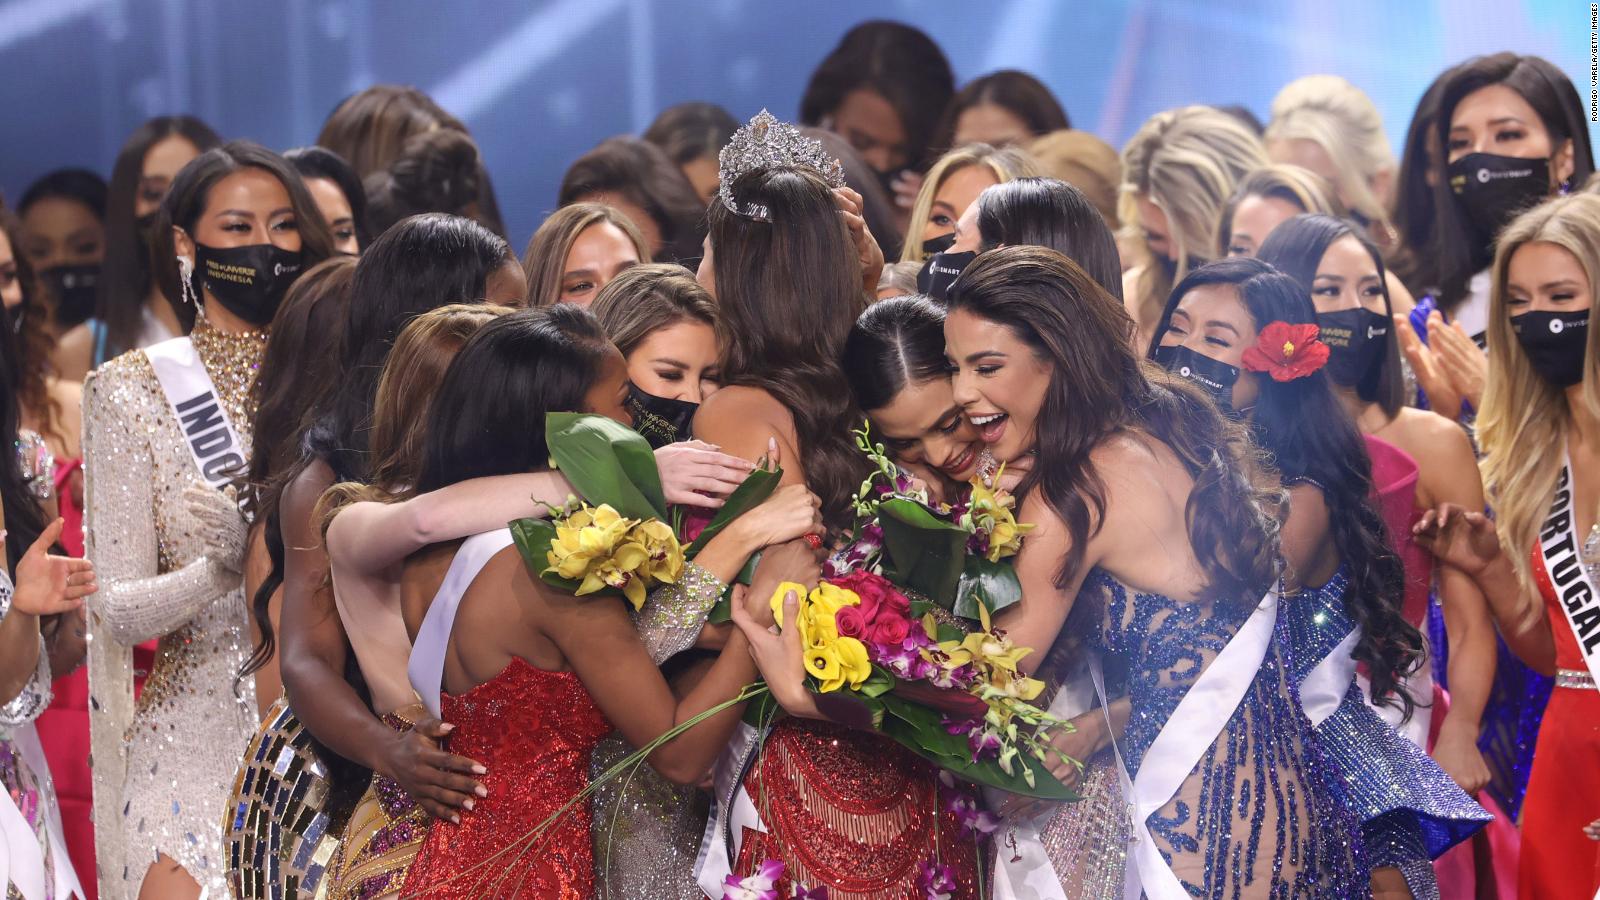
763	142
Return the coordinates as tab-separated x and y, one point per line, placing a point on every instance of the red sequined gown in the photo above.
534	731
854	811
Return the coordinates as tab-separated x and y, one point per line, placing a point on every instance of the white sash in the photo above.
1560	545
1325	686
426	667
1023	870
1200	717
734	812
21	861
212	441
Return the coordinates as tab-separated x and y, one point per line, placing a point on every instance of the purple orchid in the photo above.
760	886
936	881
974	819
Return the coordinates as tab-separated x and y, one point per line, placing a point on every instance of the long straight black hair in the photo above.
422	263
896	342
488	416
1551	94
1099	387
1047	212
1296	248
1311	438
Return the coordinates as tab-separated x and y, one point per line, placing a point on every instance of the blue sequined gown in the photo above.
1253	819
1410	810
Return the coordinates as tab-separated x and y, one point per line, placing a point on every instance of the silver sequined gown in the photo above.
162	769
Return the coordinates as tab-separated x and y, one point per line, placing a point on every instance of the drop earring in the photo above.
186	277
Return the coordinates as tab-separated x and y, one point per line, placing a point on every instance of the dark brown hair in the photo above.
1551	94
1099	388
788	291
125	274
1018	93
899	63
191	190
297	374
640	172
33	342
691	131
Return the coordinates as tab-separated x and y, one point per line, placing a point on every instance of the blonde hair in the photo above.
1006	164
1085	162
411	375
545	259
1525	419
1187	161
1341	119
1302	187
647	298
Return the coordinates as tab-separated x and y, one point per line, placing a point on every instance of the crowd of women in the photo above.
1308	438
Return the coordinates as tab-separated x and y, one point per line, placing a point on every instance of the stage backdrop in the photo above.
539	83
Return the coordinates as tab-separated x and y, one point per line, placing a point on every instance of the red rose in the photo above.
850	622
1287	352
874	591
890	629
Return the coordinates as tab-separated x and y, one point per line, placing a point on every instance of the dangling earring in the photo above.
186	276
1566	187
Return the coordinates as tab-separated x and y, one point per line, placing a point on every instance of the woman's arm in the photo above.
1450	474
312	659
1466	540
599	642
45	585
136	602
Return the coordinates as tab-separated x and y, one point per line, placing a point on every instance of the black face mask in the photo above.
1357	340
72	289
1214	377
941	271
248	281
660	420
1555	343
939	244
1491	190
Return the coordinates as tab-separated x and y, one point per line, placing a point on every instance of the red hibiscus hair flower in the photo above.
1286	351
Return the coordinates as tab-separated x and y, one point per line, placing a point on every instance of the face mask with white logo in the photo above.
1357	341
1214	377
248	281
1492	189
1555	342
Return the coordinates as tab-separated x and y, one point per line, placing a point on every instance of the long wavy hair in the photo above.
1100	387
1309	437
1525	421
295	377
787	292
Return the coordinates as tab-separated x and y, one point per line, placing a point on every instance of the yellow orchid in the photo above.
600	549
995	658
991	513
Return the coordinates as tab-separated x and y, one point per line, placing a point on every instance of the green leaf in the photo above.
994	584
752	492
921	730
606	462
722	611
921	551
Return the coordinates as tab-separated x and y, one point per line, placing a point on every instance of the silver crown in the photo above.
765	141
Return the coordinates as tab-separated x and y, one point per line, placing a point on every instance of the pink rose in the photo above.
850	622
889	629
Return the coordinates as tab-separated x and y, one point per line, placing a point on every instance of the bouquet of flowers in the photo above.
613	535
954	554
954	697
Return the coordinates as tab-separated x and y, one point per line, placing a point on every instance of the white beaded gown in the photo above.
163	768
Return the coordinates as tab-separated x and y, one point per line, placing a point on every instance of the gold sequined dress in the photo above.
163	768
